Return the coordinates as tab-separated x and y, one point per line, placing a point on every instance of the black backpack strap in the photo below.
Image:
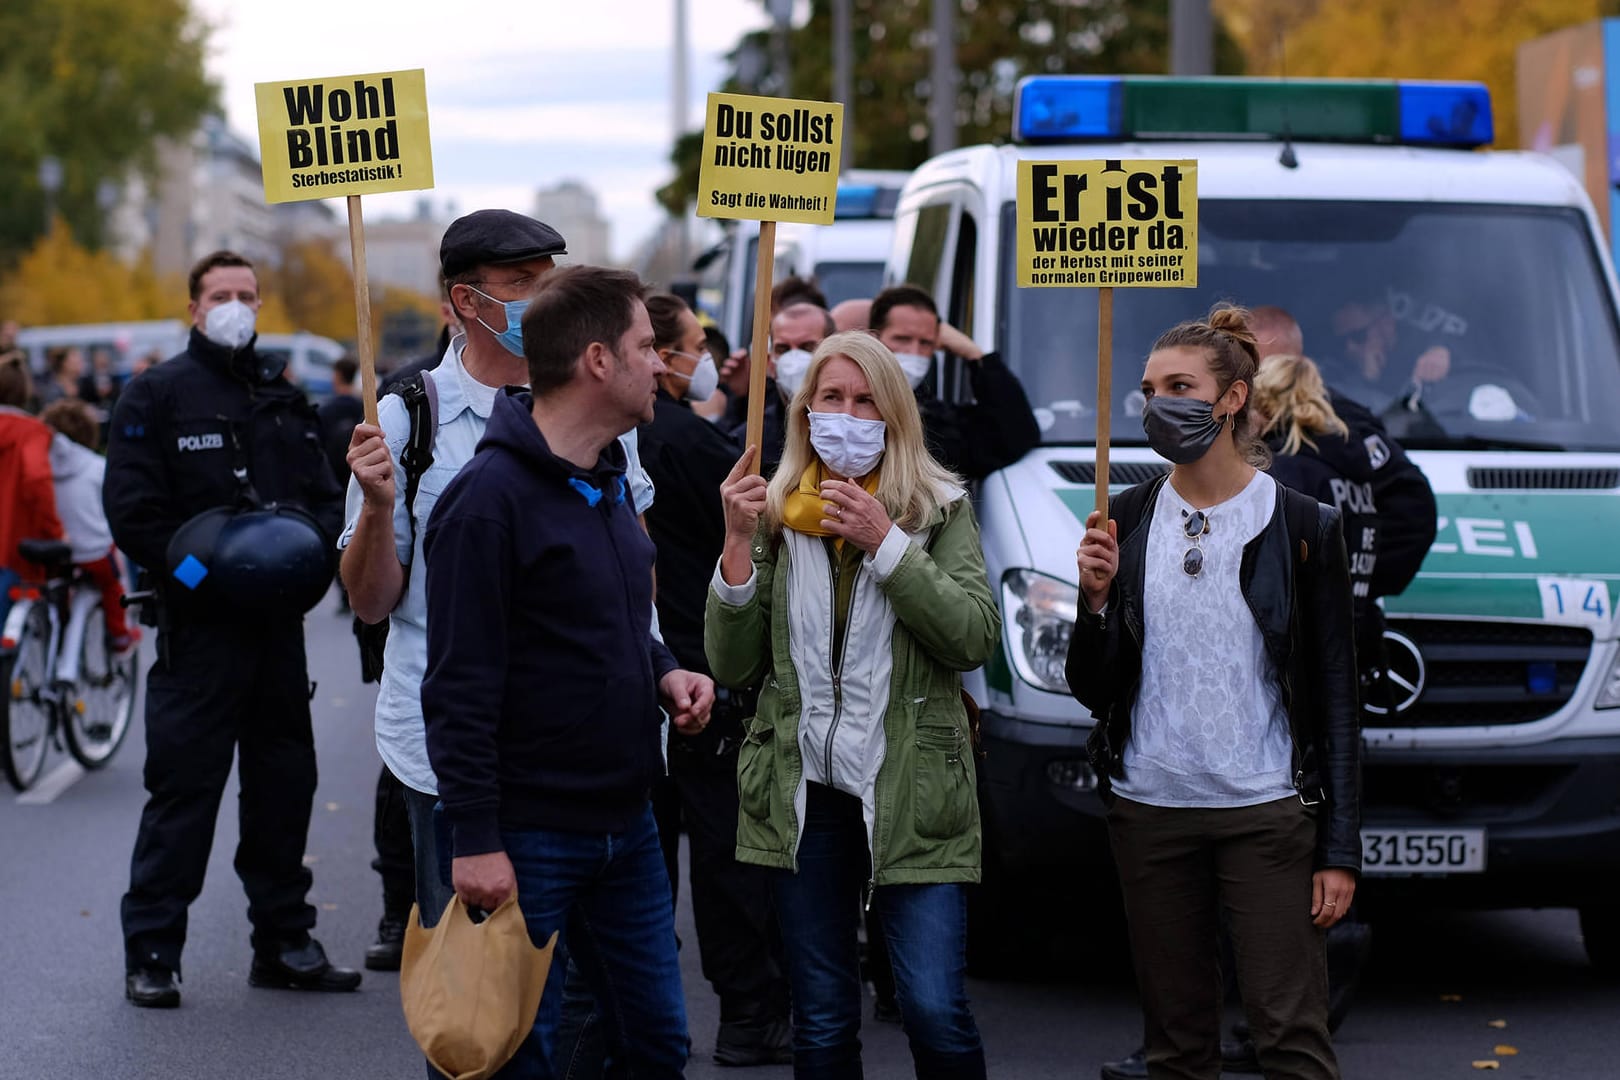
1304	517
422	406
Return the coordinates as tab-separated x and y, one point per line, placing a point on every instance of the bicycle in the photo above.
62	676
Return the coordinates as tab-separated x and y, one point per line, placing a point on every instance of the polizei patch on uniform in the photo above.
211	441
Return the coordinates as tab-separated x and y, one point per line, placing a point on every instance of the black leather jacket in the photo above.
1300	596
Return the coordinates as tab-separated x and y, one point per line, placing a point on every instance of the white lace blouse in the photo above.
1208	728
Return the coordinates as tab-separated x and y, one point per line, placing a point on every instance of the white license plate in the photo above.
1392	852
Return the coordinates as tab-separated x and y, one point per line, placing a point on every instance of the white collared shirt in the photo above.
464	408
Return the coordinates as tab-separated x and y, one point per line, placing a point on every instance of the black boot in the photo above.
763	1040
300	967
1133	1066
152	988
384	953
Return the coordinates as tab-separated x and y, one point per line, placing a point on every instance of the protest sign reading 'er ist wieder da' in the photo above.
346	135
1107	224
770	159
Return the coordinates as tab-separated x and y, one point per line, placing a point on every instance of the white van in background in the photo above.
309	356
126	341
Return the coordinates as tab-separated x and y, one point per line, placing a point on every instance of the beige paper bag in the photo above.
470	990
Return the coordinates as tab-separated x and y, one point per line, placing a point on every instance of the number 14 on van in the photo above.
1576	601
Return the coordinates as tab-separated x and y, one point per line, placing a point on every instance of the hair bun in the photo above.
1231	319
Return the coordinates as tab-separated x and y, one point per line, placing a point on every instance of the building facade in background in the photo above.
572	209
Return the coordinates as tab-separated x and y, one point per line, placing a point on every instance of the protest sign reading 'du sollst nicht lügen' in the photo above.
345	135
770	159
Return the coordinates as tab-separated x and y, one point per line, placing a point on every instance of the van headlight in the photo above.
1609	696
1039	612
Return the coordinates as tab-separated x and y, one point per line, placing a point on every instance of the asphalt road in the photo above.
1435	984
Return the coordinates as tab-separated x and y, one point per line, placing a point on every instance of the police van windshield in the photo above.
1464	326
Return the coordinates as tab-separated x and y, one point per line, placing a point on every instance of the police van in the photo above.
1372	213
846	258
309	357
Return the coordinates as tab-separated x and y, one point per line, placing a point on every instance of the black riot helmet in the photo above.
271	561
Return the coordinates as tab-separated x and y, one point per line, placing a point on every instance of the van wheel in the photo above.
1602	937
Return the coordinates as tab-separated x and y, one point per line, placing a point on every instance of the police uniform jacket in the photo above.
170	452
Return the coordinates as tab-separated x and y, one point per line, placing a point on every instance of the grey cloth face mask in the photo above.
1181	429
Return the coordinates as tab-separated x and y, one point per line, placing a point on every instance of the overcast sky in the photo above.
520	95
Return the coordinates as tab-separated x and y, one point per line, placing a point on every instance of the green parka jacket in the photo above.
887	722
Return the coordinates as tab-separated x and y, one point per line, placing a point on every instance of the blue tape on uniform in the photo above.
190	572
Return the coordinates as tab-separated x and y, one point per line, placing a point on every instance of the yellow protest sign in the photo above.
346	135
1108	224
770	159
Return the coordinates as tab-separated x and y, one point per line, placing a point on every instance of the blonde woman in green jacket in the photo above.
853	588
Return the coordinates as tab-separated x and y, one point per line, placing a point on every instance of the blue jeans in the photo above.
607	895
430	846
926	930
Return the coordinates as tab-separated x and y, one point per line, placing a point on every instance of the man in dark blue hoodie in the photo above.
543	684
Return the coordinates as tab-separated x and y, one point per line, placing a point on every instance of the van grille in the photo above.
1496	478
1489	673
1121	474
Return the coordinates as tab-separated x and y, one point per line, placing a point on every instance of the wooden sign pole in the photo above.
1105	391
362	311
758	354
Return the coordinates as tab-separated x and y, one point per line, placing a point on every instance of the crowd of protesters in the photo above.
603	613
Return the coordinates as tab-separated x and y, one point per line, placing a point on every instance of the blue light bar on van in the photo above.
865	201
1082	108
855	201
1052	107
1445	113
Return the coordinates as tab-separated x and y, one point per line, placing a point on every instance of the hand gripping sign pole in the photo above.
768	160
1107	225
347	136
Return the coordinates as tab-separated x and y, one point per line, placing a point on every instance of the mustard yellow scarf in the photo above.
805	508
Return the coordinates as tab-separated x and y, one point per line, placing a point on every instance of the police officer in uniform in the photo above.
195	444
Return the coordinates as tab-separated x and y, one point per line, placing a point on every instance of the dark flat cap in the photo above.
492	237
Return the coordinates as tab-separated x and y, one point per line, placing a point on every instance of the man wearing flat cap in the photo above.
491	261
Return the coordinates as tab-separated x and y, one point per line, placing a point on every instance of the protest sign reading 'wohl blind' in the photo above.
349	135
770	159
1108	224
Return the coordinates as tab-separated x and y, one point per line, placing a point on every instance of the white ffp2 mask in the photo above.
229	324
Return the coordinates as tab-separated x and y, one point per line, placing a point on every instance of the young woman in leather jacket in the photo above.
1214	648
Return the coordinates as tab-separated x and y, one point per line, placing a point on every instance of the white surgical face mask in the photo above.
704	380
791	367
229	324
846	444
915	366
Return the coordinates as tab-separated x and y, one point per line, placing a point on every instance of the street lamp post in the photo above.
942	80
50	181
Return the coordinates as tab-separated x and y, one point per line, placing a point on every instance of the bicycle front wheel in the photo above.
26	725
104	699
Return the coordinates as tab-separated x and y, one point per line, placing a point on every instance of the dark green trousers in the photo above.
1178	869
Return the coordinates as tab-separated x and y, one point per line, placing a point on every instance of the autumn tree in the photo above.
1438	39
997	43
59	280
91	84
